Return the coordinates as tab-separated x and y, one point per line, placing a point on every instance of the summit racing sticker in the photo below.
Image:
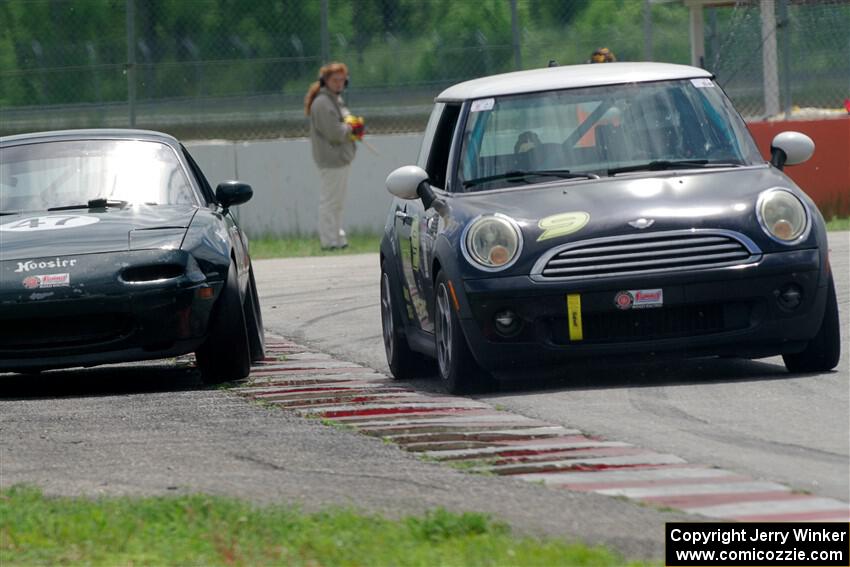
52	222
47	280
639	299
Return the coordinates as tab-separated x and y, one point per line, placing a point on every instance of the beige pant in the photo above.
331	201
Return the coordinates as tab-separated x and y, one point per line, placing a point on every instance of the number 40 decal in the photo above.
52	222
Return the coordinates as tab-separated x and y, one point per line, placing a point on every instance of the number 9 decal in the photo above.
562	224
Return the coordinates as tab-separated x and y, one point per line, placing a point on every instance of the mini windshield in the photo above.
50	175
608	130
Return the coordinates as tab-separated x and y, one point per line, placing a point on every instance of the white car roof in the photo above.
568	77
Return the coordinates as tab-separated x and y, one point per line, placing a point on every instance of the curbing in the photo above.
479	438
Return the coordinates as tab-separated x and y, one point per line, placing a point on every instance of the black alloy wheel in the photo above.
458	370
226	354
254	320
403	362
824	351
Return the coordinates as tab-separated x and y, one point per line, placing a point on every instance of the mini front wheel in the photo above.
458	369
824	350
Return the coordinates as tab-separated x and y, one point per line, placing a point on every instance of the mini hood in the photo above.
627	204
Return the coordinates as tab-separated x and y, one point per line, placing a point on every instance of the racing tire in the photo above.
458	370
226	354
824	350
403	362
254	320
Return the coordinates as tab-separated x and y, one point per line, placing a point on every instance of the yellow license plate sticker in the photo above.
574	315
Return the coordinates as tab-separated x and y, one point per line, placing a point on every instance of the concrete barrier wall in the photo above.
286	181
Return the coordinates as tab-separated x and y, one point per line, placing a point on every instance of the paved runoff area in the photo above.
477	437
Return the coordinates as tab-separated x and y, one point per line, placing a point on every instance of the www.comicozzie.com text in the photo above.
727	536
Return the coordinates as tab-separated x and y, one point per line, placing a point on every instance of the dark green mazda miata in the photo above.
114	248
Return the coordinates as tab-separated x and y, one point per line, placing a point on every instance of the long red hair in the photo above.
325	72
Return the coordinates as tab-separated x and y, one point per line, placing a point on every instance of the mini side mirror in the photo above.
231	193
790	148
411	182
404	181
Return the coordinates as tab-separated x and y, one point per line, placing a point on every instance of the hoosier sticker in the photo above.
31	265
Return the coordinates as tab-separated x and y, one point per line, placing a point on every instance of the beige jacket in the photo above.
329	134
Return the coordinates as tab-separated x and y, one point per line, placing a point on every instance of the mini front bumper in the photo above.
715	312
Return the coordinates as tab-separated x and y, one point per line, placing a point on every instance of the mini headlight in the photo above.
782	216
492	242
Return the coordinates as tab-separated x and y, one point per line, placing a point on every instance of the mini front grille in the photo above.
646	253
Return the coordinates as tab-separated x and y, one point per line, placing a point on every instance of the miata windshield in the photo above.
48	175
609	130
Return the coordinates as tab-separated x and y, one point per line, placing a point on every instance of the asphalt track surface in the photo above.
752	417
154	429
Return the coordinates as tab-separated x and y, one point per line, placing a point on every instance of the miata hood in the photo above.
41	234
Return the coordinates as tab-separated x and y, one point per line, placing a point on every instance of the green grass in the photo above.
838	223
338	425
300	246
474	466
205	530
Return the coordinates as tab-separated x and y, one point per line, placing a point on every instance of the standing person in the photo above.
602	55
333	142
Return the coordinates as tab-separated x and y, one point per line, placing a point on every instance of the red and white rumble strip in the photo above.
481	438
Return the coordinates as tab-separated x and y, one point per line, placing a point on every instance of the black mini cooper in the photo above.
599	211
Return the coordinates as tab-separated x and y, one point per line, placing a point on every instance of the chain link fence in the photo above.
802	58
239	69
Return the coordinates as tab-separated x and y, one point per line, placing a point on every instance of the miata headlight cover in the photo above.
492	242
782	216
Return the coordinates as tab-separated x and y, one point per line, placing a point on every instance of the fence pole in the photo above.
515	30
784	25
647	31
326	42
768	58
697	35
713	39
131	62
